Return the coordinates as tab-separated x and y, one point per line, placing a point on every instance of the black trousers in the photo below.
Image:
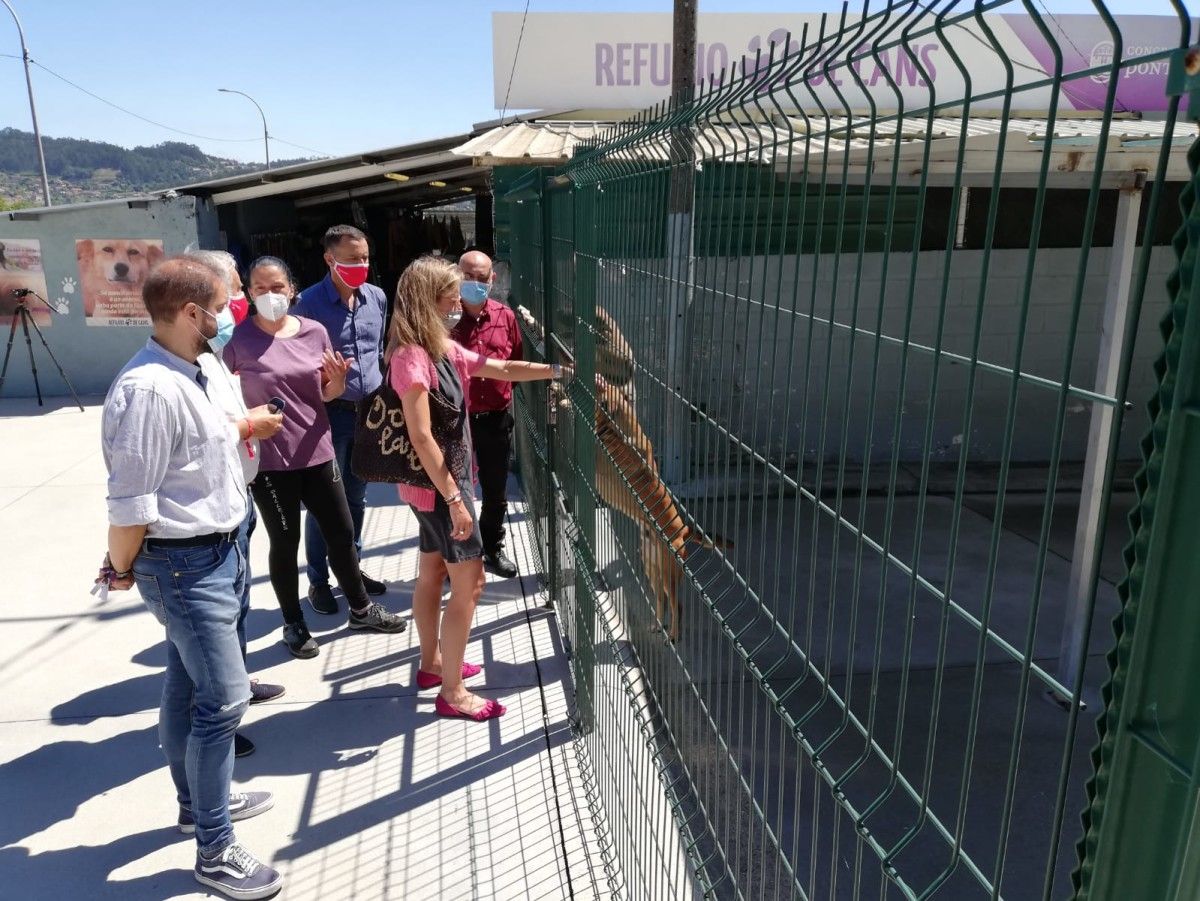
492	436
279	496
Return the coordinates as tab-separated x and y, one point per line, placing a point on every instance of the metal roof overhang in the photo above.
536	143
801	149
363	175
1013	152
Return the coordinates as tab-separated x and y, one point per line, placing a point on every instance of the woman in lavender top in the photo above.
284	356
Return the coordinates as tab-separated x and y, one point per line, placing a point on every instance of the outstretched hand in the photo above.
333	373
334	366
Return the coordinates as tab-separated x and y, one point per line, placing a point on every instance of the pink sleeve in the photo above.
410	365
466	361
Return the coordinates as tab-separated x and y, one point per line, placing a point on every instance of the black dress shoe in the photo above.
497	563
322	599
373	586
242	746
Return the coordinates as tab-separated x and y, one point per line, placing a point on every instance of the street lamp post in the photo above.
37	134
266	144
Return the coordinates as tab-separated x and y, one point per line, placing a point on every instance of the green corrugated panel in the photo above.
503	180
1142	797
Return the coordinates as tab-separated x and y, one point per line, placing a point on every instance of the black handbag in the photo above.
383	450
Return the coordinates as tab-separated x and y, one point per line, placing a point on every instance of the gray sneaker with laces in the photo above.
236	873
376	618
242	806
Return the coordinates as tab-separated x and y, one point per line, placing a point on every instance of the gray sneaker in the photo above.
236	873
242	806
375	617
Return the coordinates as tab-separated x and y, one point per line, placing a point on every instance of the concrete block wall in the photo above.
764	363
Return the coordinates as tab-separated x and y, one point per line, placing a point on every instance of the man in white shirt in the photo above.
176	500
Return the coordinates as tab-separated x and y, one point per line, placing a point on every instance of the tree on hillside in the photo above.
142	168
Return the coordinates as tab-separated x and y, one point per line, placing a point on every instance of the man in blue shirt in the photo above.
353	313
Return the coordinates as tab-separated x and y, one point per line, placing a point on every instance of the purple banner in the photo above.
1085	43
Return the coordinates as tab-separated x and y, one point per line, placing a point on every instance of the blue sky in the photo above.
334	77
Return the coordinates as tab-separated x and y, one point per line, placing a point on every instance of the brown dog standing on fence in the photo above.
627	478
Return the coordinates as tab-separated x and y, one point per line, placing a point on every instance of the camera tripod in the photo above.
26	318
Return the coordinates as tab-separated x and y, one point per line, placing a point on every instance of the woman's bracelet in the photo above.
249	429
453	499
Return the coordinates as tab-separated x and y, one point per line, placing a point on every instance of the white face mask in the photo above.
453	318
271	307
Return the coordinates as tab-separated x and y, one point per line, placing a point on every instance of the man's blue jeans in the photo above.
194	593
341	427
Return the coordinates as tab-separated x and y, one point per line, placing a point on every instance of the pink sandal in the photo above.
433	680
489	711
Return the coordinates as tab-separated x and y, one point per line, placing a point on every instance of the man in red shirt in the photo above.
490	328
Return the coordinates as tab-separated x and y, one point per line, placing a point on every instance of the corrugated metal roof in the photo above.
348	163
915	127
524	142
556	142
418	171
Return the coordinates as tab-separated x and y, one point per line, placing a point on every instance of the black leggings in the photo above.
279	496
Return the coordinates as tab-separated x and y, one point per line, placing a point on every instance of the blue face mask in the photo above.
473	292
225	326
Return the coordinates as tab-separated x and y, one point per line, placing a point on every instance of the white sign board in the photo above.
623	61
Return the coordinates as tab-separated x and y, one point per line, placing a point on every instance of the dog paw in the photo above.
68	285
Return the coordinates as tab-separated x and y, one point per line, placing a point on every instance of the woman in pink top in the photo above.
423	361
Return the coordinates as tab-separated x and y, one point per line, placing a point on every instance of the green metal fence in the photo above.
831	510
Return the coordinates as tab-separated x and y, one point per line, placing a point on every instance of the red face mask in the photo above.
240	307
353	275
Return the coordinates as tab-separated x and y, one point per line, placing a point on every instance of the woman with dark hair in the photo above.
282	356
430	372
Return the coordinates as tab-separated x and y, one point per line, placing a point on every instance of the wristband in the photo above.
453	499
109	570
249	428
556	370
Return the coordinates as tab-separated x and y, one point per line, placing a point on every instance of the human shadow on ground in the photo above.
48	784
141	694
86	871
35	793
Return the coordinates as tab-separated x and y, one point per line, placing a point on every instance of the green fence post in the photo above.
547	316
1142	826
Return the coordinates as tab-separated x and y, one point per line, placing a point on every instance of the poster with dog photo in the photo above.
111	273
21	270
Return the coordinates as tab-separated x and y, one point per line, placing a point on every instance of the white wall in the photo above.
91	356
752	368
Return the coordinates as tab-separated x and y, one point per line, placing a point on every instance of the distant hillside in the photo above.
92	170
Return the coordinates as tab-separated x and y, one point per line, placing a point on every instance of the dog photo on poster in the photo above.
21	270
111	274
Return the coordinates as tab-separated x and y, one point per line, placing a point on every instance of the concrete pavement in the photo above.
375	796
